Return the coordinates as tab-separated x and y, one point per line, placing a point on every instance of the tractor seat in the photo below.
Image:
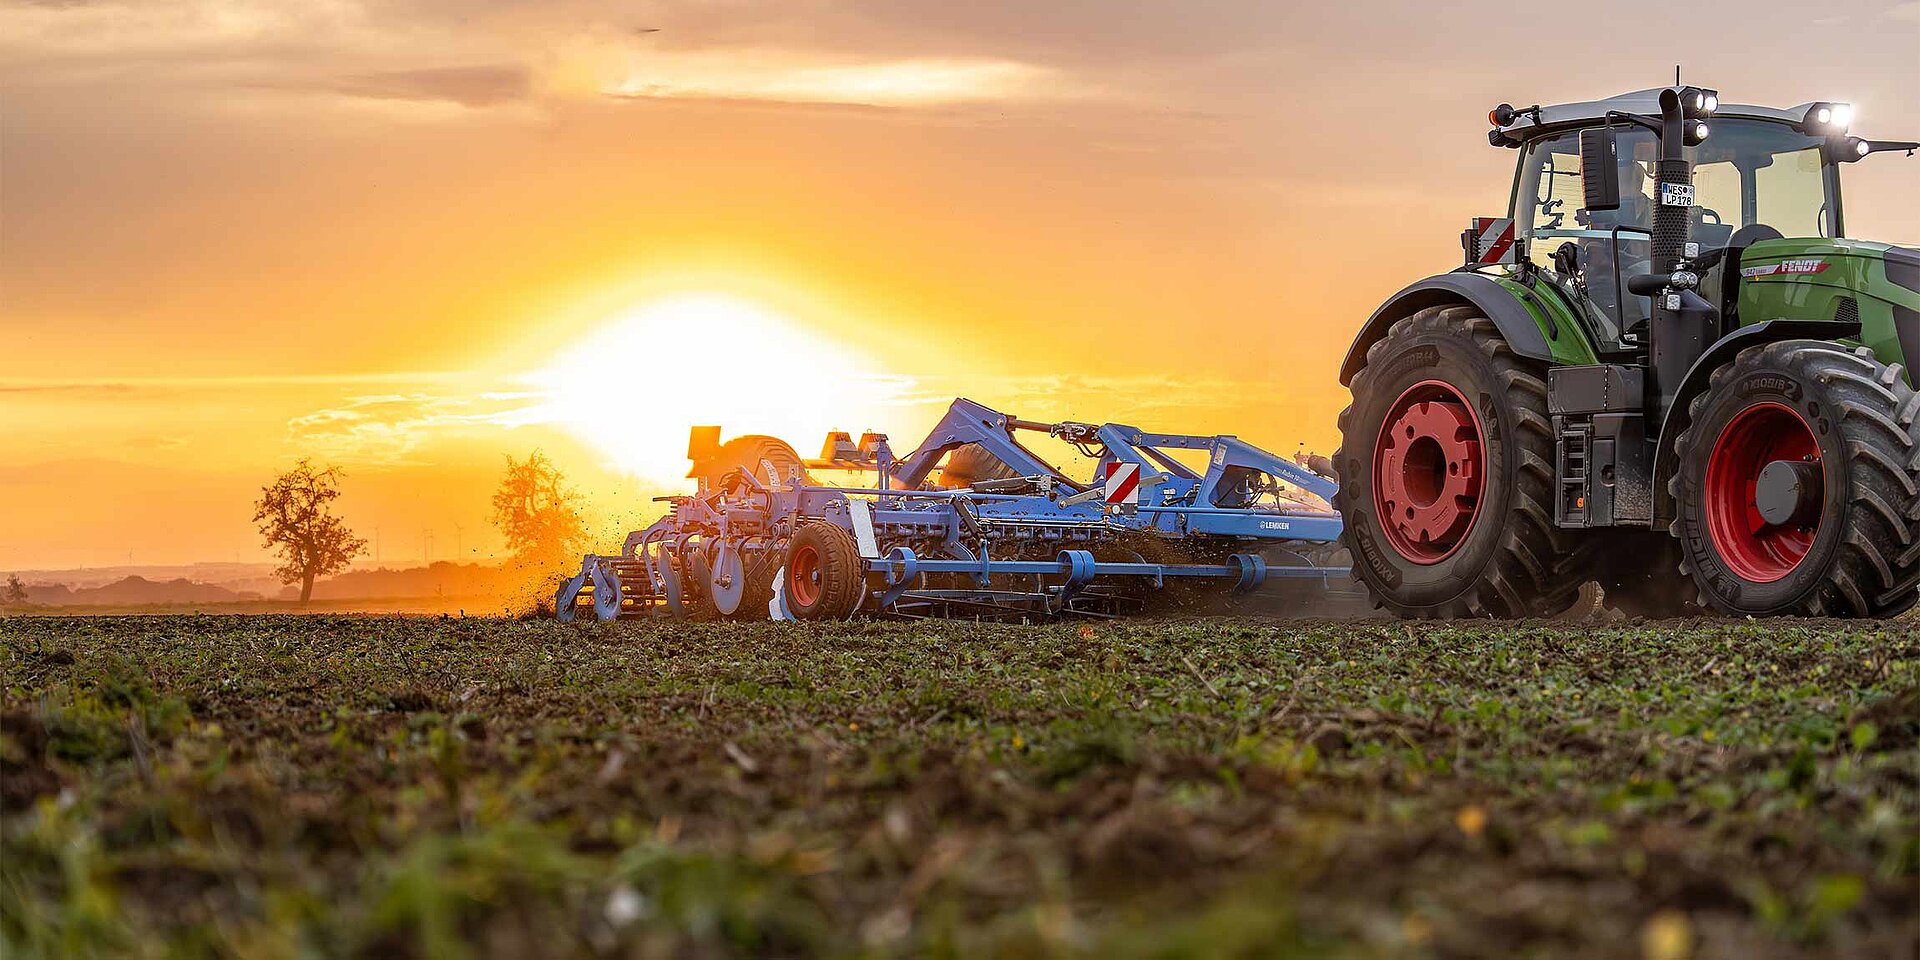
1751	234
1737	245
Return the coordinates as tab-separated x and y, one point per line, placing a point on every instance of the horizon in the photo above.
410	240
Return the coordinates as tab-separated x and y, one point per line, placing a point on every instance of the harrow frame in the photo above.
1038	545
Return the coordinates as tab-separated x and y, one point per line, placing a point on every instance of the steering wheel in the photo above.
1551	210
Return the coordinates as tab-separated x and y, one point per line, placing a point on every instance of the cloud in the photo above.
246	52
293	55
477	86
114	385
68	387
389	428
196	30
799	77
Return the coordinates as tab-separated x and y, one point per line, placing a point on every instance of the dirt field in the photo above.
333	786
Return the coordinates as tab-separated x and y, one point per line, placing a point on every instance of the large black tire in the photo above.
969	464
747	452
1861	556
824	576
1511	561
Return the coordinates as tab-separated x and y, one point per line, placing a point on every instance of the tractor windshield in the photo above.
1753	180
1753	173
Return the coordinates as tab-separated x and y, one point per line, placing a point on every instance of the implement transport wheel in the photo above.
1446	463
824	576
1797	488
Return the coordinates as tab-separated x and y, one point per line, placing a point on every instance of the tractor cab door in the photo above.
1591	253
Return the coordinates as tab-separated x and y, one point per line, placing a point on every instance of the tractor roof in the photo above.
1640	102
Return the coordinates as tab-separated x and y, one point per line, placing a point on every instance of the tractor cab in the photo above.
1759	175
1754	179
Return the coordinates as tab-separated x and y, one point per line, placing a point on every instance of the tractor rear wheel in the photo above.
1446	475
824	576
1797	489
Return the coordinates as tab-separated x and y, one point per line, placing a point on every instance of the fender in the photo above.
1516	323
1723	350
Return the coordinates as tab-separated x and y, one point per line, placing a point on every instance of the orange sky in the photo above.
236	231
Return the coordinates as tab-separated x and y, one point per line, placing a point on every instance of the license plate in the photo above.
1676	194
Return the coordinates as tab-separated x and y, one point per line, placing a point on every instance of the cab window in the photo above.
1790	194
1550	213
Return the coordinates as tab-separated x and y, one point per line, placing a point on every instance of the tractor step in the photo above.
1570	474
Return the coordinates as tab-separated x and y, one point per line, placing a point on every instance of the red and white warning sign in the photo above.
1123	482
1493	241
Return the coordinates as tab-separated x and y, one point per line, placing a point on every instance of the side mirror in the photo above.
1600	168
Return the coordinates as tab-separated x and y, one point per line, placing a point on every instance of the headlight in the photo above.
1699	102
1861	148
1827	119
1697	133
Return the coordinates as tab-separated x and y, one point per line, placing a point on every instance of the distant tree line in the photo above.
533	508
15	593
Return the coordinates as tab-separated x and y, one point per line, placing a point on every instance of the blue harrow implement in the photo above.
971	525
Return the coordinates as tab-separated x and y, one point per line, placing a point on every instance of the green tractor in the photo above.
1666	371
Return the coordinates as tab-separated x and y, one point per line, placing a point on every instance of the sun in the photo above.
633	387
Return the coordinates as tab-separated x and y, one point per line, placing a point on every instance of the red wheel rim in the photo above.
803	575
1427	467
1752	548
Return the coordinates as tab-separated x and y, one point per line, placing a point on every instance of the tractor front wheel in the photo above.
1446	478
1797	488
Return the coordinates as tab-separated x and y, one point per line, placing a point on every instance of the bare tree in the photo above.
16	593
537	512
295	518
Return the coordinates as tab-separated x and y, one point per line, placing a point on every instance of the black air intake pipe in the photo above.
1672	224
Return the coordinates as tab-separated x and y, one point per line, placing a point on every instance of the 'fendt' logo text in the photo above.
1785	267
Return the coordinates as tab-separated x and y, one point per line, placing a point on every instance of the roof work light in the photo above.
1825	119
1699	102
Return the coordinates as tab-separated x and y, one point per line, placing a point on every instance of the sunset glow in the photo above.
632	388
767	77
411	240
